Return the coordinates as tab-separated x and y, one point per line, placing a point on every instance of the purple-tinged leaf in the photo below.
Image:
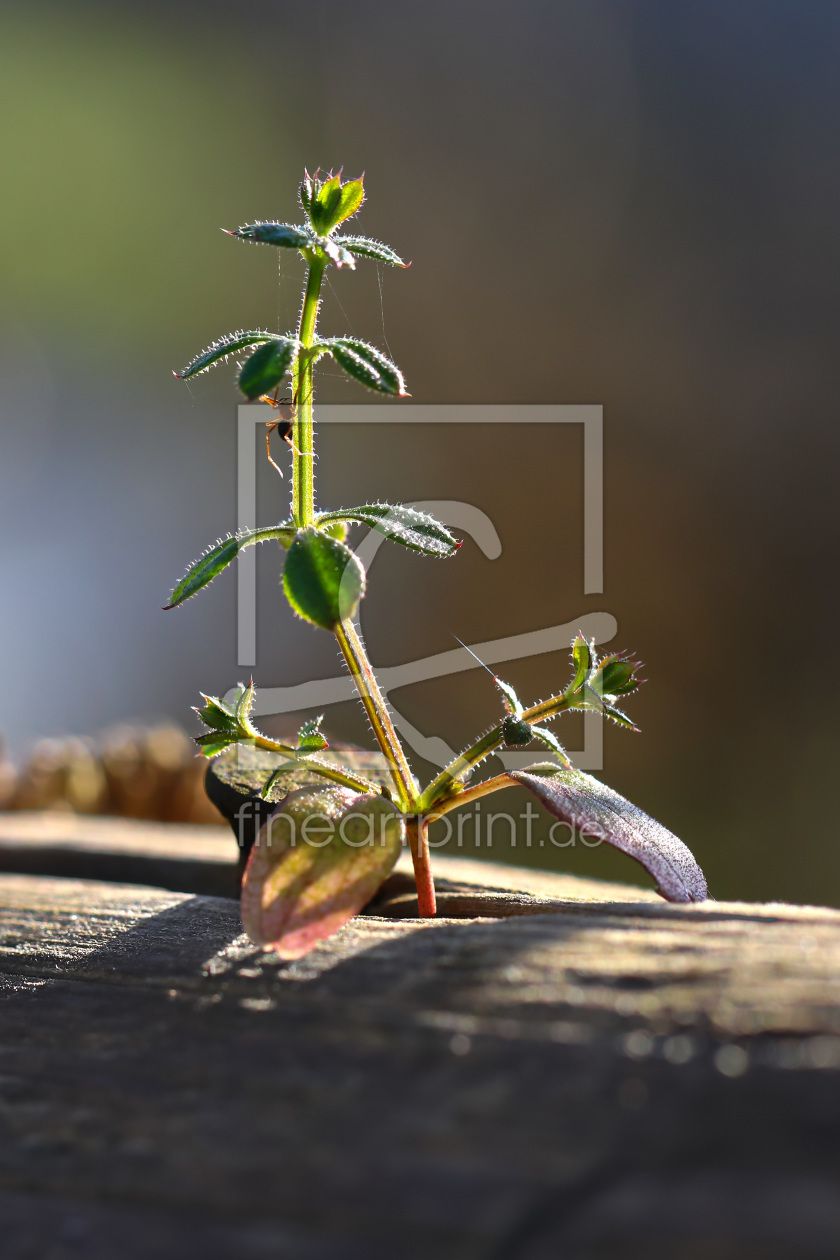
317	861
595	810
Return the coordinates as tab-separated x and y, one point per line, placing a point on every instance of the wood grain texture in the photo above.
204	859
598	1074
200	859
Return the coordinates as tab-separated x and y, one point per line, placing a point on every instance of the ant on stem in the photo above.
283	425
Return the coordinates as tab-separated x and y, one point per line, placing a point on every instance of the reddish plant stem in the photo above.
417	833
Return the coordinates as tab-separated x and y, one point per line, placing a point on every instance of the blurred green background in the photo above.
632	203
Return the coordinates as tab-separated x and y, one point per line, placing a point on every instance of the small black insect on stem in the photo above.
282	426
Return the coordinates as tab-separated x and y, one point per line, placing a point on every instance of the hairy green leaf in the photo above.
316	862
216	714
215	742
243	704
551	741
583	661
329	202
286	235
245	770
229	723
364	247
322	578
415	530
208	566
616	675
620	718
267	366
306	191
325	204
366	364
310	738
221	350
333	525
513	704
588	698
599	813
352	196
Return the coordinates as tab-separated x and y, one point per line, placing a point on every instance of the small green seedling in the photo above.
336	833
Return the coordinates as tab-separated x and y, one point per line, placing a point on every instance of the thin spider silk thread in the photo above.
382	317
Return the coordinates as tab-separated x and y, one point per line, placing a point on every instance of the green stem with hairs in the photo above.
377	711
303	461
303	514
457	799
345	777
440	789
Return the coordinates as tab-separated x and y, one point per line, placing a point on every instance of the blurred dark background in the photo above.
627	203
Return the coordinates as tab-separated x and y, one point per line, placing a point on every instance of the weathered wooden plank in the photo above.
59	1227
196	859
610	1079
205	860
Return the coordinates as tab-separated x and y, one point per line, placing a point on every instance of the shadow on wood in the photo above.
610	1081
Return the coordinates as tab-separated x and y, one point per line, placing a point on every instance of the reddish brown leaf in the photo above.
317	861
598	812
